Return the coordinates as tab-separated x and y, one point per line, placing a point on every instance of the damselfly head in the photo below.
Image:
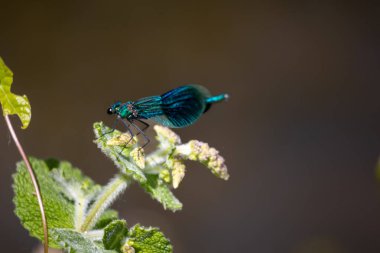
114	108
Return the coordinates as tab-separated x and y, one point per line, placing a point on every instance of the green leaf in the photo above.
122	157
71	177
12	103
161	192
106	218
114	234
119	154
148	240
62	186
75	242
58	209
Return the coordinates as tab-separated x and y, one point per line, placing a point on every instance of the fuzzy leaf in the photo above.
12	103
119	154
114	234
148	240
75	242
106	218
60	186
161	192
151	183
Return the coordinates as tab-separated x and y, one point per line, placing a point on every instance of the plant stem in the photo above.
111	191
81	205
34	181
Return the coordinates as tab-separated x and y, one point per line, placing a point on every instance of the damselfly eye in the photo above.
109	110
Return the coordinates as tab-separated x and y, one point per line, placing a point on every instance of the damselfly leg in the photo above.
130	133
140	131
112	129
146	125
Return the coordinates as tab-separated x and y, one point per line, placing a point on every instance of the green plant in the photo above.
19	105
77	209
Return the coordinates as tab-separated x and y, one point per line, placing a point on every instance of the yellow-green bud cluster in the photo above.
126	248
168	159
166	137
165	175
177	169
202	152
138	157
122	140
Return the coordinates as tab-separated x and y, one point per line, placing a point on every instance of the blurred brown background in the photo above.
300	132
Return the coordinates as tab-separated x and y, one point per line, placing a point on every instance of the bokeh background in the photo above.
300	132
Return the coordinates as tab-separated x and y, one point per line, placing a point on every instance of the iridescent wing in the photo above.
179	107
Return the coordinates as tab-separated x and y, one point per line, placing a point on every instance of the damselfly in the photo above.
176	108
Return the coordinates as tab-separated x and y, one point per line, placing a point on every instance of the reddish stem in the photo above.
34	181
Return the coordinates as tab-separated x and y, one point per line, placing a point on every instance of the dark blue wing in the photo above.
179	107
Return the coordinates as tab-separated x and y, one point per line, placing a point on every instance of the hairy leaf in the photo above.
120	153
148	240
106	218
114	234
161	192
75	242
62	188
125	160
